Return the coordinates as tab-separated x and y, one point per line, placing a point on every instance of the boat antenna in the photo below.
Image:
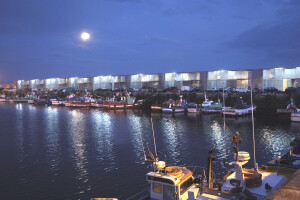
153	137
253	135
224	125
142	143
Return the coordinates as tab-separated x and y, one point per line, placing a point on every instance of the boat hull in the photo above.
30	101
57	103
193	110
79	104
121	105
295	117
172	110
156	108
97	105
237	112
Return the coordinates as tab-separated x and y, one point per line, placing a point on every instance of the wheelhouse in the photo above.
171	183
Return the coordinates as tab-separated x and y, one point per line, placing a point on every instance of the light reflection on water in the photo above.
61	153
77	136
103	137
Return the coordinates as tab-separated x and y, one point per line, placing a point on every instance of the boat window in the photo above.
156	187
186	185
169	192
152	178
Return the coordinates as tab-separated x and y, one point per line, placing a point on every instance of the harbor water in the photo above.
63	153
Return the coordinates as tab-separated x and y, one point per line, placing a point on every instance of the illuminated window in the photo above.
156	187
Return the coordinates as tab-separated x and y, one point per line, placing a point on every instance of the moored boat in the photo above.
41	102
156	107
291	108
30	101
295	116
4	100
57	102
238	110
97	105
79	104
20	100
173	109
124	103
214	108
193	108
206	102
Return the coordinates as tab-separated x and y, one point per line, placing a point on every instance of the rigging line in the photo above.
142	143
154	137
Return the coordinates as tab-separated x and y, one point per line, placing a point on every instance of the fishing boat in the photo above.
172	106
79	104
174	182
97	105
41	102
214	108
125	103
193	108
20	100
240	109
56	102
173	109
206	102
31	101
291	108
295	116
4	100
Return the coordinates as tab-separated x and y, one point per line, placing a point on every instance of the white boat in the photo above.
295	116
238	110
57	103
206	102
193	110
3	100
31	101
173	110
291	108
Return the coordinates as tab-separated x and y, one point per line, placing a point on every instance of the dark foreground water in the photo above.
61	153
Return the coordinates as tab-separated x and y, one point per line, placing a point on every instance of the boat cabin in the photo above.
171	183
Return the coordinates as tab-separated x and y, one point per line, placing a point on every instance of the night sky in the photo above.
41	38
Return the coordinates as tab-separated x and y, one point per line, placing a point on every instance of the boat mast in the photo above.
153	137
253	135
142	143
224	124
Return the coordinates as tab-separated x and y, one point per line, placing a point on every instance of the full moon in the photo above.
85	36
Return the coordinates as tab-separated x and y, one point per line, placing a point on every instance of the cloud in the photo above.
276	42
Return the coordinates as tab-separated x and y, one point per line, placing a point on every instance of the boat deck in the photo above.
273	180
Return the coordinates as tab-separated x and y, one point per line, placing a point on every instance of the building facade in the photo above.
280	78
